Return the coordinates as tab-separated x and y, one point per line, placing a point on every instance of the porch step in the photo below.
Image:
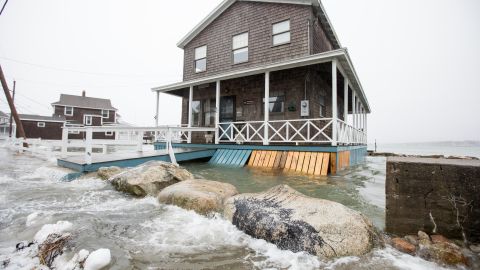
312	163
234	158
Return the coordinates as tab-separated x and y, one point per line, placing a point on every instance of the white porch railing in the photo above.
290	131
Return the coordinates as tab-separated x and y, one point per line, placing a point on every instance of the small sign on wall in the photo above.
304	108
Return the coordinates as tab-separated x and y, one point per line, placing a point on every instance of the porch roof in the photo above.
345	66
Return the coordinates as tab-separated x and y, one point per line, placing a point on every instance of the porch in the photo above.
313	101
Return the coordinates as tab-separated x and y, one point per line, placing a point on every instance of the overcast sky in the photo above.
418	61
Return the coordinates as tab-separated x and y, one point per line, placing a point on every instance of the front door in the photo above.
227	114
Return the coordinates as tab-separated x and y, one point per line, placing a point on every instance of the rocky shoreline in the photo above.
389	154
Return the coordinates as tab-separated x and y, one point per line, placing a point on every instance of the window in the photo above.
208	112
321	102
281	33
276	102
201	59
240	48
41	124
109	133
69	111
88	120
196	113
105	113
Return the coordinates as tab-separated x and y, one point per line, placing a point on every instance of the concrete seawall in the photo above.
434	195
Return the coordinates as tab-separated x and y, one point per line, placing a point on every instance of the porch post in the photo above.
158	108
345	100
190	108
217	113
266	107
334	103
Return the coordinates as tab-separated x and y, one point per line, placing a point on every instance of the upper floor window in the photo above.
41	124
281	33
240	48
88	120
201	59
69	111
105	113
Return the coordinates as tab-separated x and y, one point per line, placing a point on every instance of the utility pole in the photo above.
13	110
11	116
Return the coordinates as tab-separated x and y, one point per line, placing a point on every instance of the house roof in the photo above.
2	114
84	102
341	55
322	15
34	117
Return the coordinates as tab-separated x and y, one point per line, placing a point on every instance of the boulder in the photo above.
423	239
412	239
436	238
105	173
149	178
403	246
443	253
295	222
202	196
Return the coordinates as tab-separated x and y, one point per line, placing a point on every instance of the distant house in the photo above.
4	118
43	127
4	124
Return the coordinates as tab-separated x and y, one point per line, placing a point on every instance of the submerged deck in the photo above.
123	160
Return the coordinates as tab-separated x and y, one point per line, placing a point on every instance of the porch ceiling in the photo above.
342	56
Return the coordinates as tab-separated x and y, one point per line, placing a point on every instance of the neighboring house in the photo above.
4	124
83	111
280	51
4	118
42	127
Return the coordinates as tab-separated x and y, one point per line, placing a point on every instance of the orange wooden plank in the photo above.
258	159
325	165
318	164
262	158
288	162
267	158
278	159
273	157
312	163
252	158
293	166
301	157
283	160
255	161
306	162
333	163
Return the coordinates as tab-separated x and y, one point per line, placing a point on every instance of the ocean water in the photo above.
460	149
144	234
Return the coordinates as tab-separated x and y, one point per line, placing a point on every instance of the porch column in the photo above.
334	103
345	100
158	108
266	107
354	102
190	110
217	113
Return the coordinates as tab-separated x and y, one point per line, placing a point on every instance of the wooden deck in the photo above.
123	160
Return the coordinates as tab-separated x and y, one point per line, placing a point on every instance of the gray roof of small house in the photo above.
84	102
2	114
34	117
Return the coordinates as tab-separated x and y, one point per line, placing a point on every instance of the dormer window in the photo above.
240	48
69	111
281	33
201	59
87	120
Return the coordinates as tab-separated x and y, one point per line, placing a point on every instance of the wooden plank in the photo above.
215	157
283	160
246	156
267	158
228	157
293	166
272	159
252	158
262	158
333	163
306	162
236	157
278	159
325	164
312	163
318	164
221	156
258	158
301	157
288	161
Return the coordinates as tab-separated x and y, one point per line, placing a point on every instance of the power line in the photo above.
1	11
75	71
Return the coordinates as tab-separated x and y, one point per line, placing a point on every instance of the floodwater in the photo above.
143	234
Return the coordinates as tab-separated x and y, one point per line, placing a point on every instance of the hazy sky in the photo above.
418	61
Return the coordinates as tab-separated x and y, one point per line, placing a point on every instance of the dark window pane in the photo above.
201	65
240	56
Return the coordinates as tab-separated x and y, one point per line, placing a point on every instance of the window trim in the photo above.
240	48
108	113
65	111
85	122
280	33
41	124
195	58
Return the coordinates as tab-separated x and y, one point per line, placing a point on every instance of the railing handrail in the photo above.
144	129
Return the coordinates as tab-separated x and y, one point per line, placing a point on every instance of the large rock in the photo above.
296	222
202	196
105	173
150	178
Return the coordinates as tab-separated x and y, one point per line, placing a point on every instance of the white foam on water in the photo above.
98	259
25	259
47	229
53	174
342	262
404	261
